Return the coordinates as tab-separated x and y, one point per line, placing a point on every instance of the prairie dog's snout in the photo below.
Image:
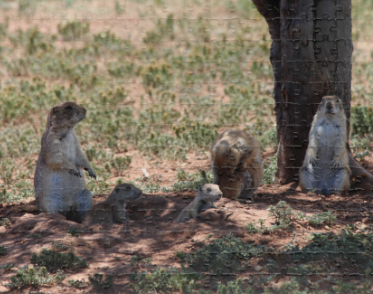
329	105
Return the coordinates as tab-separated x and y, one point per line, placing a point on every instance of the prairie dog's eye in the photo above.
208	189
69	107
116	190
338	101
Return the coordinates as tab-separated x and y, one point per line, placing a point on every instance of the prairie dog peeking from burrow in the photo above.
207	194
113	209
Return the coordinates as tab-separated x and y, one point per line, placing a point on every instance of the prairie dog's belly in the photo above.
327	136
68	147
52	182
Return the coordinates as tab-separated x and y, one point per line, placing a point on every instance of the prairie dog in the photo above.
207	194
325	168
113	209
237	164
59	183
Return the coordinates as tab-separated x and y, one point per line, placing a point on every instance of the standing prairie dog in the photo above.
237	164
113	209
207	194
325	168
58	181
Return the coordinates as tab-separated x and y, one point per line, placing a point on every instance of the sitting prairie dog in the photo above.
59	183
325	168
207	194
237	164
113	209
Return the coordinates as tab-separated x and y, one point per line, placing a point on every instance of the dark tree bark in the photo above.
311	57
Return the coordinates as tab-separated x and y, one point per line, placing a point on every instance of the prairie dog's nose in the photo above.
329	105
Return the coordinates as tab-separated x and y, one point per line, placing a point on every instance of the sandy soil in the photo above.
152	233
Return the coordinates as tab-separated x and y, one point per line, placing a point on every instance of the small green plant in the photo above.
98	281
322	218
164	280
270	170
79	284
73	29
3	250
192	180
234	287
30	277
74	231
134	260
53	260
119	164
282	213
228	253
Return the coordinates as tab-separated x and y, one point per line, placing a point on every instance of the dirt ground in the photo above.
152	233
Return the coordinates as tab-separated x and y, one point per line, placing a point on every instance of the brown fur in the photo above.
325	169
59	183
237	164
113	209
207	194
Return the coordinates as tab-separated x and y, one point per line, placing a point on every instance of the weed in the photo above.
192	180
30	277
282	213
226	254
322	218
134	260
3	251
164	281
72	30
8	267
79	284
234	288
98	281
361	120
120	164
74	231
56	260
270	171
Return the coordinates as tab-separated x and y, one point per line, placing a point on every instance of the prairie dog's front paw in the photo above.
91	172
74	172
335	164
312	160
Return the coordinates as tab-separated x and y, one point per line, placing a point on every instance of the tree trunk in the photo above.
311	57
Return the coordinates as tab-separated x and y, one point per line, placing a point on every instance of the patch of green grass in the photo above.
164	281
3	251
322	218
192	180
98	281
30	277
79	284
53	260
270	170
226	254
74	231
72	30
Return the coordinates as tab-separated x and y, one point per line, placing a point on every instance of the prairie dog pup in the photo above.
113	209
325	168
237	164
59	183
207	194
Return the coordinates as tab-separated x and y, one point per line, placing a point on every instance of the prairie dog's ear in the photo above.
200	189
